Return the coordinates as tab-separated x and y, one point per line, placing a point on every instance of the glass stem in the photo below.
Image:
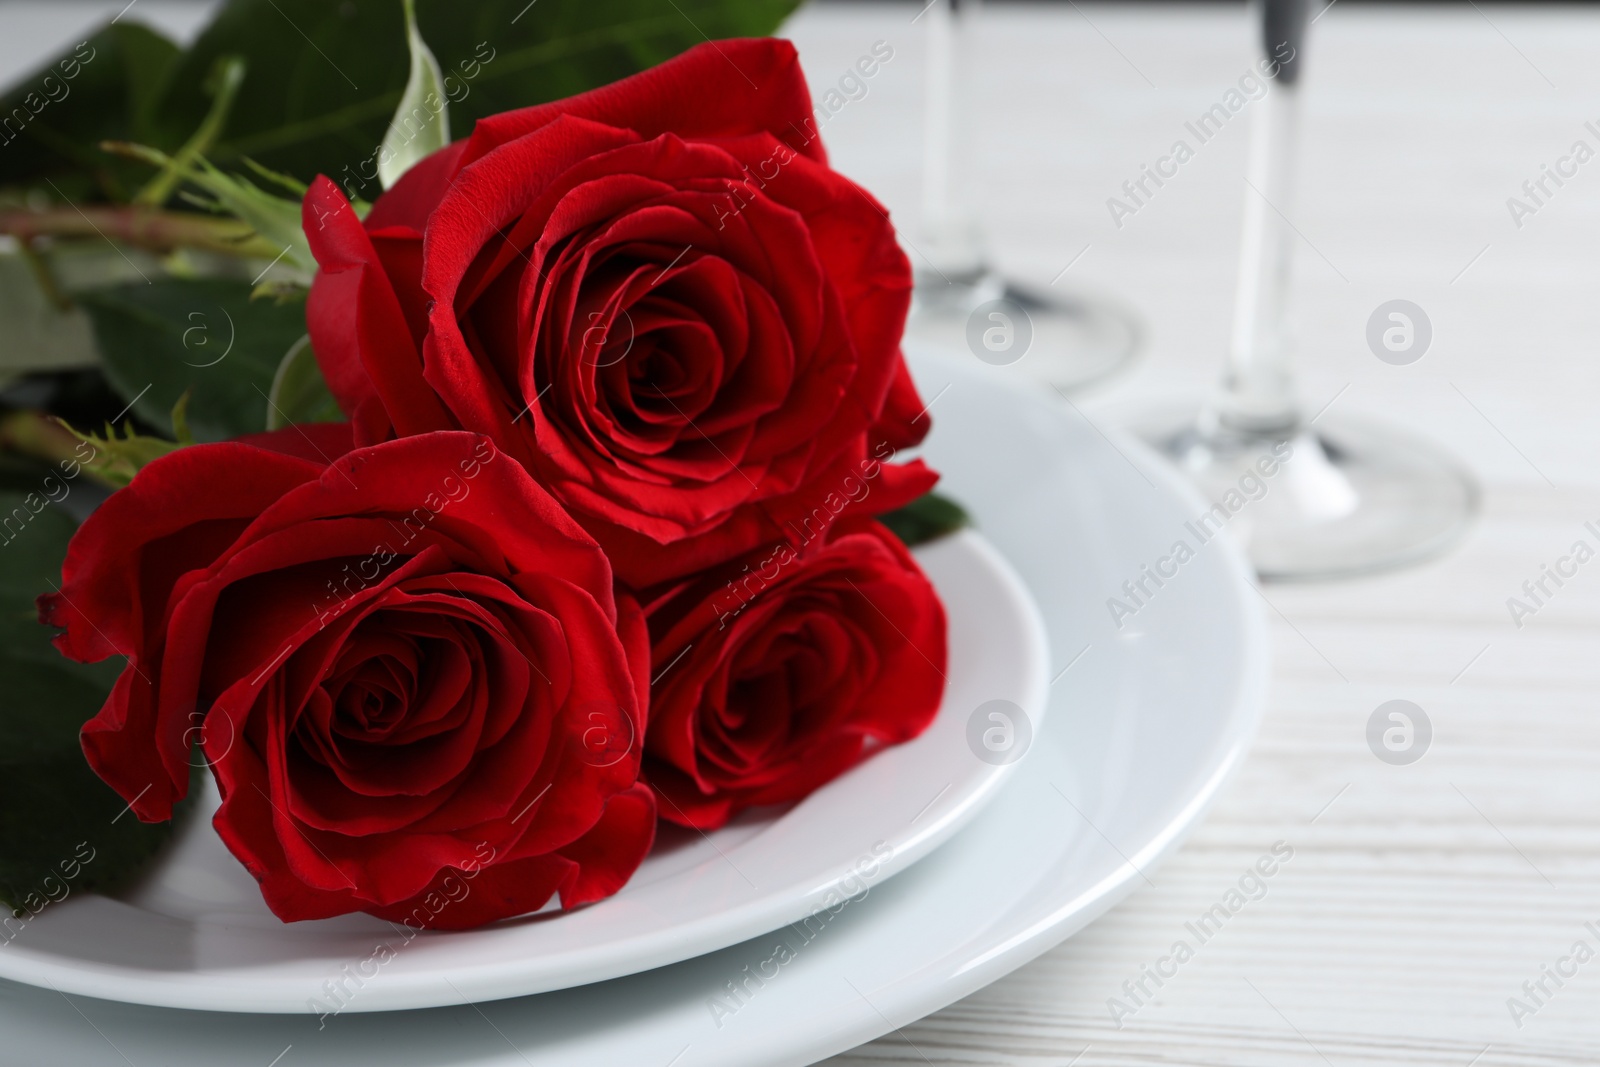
951	243
1258	389
937	117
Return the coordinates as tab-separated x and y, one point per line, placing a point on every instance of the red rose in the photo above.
777	672
656	296
406	668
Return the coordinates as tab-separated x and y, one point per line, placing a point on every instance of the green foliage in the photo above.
118	458
421	123
40	333
323	80
299	393
202	336
223	86
106	88
324	107
51	803
274	218
311	87
926	518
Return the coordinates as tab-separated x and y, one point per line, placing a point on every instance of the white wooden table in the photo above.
1419	898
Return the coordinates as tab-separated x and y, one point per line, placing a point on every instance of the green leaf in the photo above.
62	830
40	334
103	88
926	518
48	697
117	459
224	88
53	812
421	123
274	218
325	79
180	421
34	531
207	336
299	393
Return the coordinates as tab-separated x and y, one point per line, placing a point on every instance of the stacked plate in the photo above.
1079	741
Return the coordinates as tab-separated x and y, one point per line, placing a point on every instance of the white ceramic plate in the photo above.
196	934
1145	727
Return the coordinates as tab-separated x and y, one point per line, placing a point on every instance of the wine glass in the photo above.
1317	497
960	296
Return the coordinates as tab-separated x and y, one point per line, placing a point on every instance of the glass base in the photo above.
1336	499
1057	339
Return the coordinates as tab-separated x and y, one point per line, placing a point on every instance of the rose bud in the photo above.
777	672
